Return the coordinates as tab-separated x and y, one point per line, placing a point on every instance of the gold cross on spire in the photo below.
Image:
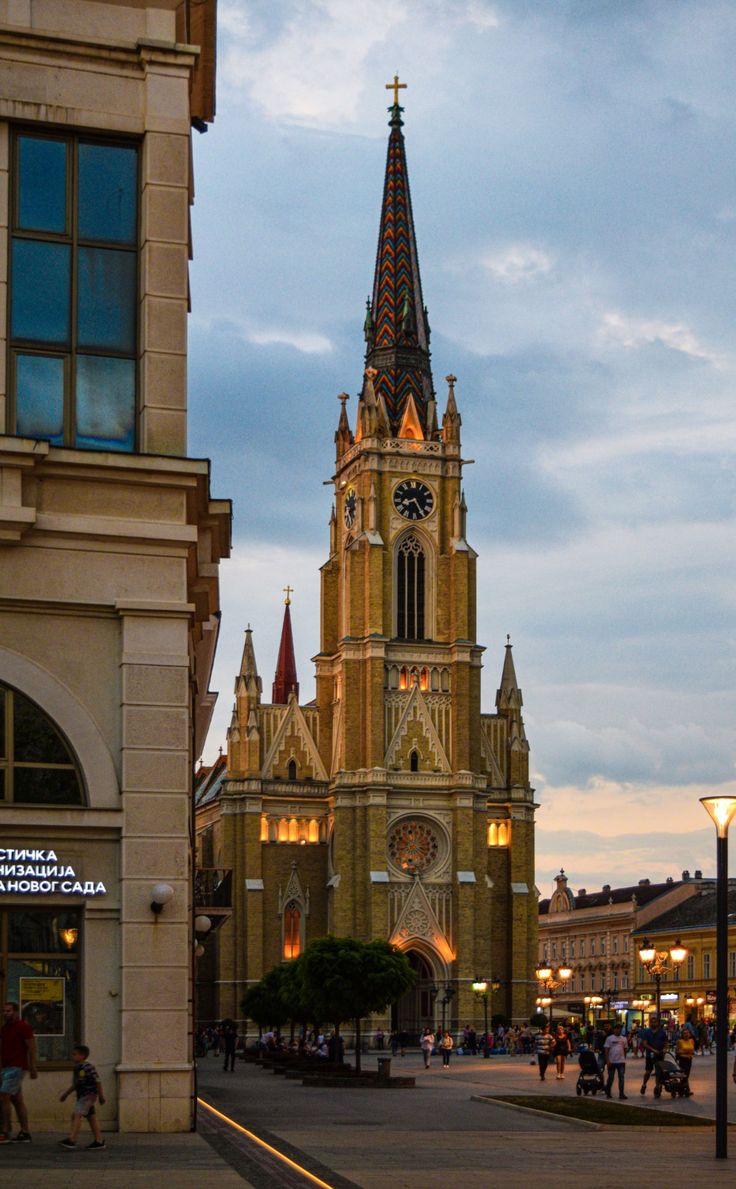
288	591
396	86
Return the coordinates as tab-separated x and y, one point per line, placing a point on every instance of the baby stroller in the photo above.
670	1077
590	1078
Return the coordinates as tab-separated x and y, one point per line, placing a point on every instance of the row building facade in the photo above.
110	544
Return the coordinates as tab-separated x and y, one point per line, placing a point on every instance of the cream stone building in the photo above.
390	806
592	933
109	543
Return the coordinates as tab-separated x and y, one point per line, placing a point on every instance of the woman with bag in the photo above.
426	1043
446	1049
561	1050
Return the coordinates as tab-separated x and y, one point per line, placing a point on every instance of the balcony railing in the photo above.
213	889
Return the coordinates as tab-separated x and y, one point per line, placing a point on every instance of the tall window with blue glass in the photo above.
73	292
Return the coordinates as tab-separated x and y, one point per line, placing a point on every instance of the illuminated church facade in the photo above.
389	806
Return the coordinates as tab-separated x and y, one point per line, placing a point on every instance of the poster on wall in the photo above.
42	1005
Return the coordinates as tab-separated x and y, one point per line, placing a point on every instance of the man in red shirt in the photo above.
17	1054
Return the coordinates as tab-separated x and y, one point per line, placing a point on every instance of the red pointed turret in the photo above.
285	681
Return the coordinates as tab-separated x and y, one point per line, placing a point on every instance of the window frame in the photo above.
70	352
8	763
7	955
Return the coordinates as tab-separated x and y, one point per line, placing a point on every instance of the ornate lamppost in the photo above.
549	979
446	1000
655	962
721	810
483	988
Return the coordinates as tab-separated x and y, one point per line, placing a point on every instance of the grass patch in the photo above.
602	1111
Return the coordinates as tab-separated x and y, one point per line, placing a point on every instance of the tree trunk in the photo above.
357	1044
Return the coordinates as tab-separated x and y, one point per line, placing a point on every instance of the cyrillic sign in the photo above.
35	872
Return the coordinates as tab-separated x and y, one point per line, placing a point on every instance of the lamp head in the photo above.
678	953
564	973
721	810
647	952
480	986
543	973
161	893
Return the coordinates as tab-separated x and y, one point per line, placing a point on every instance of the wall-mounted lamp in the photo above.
161	893
202	924
69	937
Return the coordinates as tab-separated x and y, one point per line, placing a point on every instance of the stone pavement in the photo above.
128	1161
435	1135
429	1137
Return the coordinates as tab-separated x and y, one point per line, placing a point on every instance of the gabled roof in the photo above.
697	912
208	781
644	892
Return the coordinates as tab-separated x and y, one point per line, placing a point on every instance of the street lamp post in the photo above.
721	811
655	962
482	988
445	1001
550	980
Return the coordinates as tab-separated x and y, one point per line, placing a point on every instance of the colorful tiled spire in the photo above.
285	681
396	326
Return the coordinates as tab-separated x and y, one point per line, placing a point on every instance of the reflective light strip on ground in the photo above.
262	1144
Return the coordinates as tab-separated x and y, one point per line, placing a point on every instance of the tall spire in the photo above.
285	681
508	697
396	326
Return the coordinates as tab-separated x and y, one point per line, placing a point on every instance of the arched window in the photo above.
414	762
410	595
37	766
291	768
292	931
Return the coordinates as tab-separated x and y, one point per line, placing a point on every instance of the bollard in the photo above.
384	1069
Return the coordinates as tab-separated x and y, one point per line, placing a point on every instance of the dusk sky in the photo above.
574	193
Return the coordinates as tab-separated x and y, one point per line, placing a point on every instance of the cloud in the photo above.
518	262
308	342
322	53
591	860
624	330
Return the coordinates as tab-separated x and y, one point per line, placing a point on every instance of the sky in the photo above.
574	193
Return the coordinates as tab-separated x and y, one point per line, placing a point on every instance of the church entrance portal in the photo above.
415	1010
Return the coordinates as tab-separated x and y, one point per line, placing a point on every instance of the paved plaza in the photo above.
434	1136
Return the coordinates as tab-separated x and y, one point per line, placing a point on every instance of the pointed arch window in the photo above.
291	770
37	766
410	589
414	761
292	931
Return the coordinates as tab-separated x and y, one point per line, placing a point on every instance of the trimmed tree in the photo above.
346	979
265	1002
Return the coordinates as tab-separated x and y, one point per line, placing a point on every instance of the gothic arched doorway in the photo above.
415	1010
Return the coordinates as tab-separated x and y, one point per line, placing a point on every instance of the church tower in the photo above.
423	802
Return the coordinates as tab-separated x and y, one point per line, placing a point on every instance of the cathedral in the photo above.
389	806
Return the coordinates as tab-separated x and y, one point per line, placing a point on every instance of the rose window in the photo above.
413	845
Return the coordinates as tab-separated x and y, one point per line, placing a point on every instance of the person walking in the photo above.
17	1056
544	1045
615	1055
426	1044
561	1050
655	1040
87	1086
229	1040
446	1048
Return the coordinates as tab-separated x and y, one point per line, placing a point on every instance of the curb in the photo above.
530	1110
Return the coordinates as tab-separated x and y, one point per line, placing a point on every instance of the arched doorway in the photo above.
415	1010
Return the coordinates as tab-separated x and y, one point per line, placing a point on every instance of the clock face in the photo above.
351	504
413	500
